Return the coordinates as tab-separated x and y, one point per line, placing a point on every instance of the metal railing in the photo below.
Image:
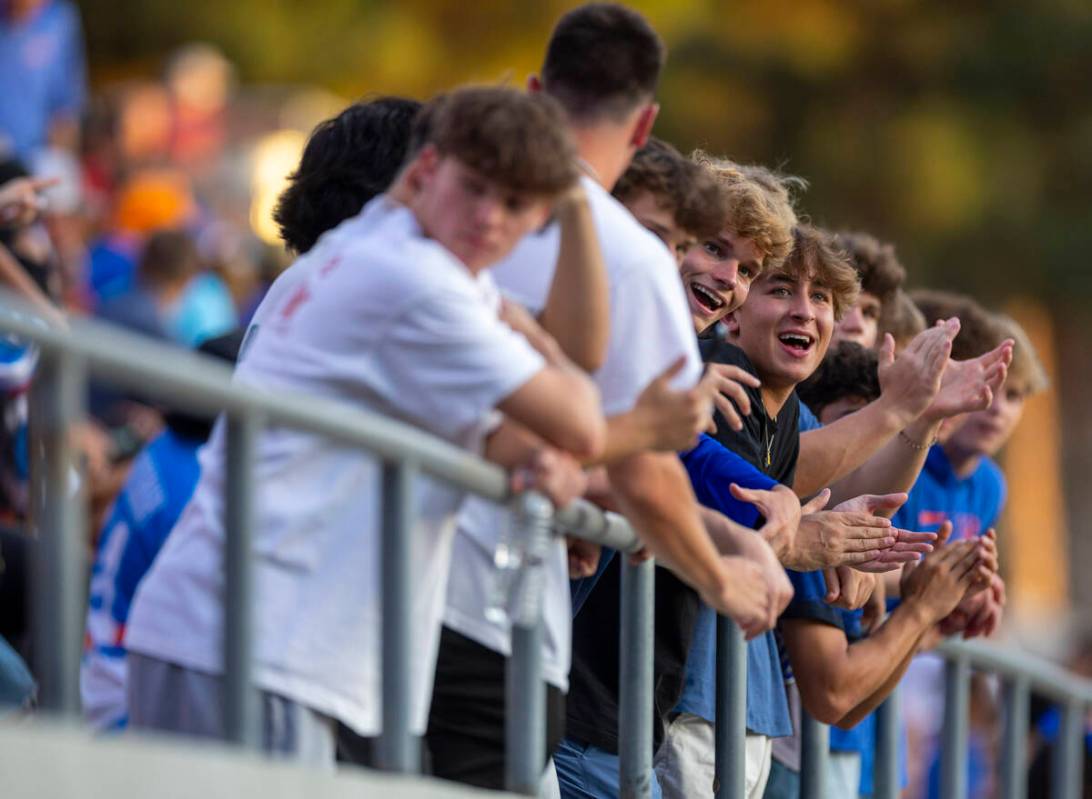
200	384
1021	675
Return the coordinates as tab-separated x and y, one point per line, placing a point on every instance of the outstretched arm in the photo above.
909	383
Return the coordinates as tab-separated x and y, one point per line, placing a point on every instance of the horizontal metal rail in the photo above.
203	384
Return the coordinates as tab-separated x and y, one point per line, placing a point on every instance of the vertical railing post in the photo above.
731	710
525	692
1068	765
954	750
399	749
886	774
814	756
58	392
242	724
1014	740
636	679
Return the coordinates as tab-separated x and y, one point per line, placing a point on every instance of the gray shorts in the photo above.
170	698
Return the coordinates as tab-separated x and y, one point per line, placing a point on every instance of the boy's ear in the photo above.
420	171
732	323
643	129
534	84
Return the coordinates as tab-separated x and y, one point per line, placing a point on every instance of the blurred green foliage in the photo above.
961	130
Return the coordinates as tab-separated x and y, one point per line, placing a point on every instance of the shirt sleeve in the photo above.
713	468
650	329
807	602
807	420
449	361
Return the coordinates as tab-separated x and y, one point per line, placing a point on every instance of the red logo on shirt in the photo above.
298	298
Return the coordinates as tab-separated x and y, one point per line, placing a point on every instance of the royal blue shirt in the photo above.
158	488
712	468
42	75
971	503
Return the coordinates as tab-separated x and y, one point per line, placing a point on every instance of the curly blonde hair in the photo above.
759	203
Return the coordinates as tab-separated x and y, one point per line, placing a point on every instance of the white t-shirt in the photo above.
389	321
650	327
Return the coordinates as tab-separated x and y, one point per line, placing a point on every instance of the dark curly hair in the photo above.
347	161
686	189
848	370
876	262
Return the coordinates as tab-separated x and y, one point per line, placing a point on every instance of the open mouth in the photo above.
705	298
798	344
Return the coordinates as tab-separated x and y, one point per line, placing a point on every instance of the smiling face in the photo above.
784	327
861	322
475	218
717	275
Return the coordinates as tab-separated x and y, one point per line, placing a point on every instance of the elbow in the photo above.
586	441
826	704
590	358
585	437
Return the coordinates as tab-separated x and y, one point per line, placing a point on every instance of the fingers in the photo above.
816	503
728	411
734	373
755	496
887	350
913	537
834	585
944	533
865	539
875	503
856	519
857	559
733	389
671	371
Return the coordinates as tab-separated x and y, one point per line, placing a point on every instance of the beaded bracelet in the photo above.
915	445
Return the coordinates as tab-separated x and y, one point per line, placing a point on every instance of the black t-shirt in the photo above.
592	707
770	444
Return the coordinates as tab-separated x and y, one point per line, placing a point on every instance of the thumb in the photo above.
880	502
943	534
753	496
887	350
816	503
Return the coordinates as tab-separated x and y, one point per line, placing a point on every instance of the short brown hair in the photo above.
902	319
169	256
517	139
875	261
759	204
602	61
979	332
816	256
678	185
1026	370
